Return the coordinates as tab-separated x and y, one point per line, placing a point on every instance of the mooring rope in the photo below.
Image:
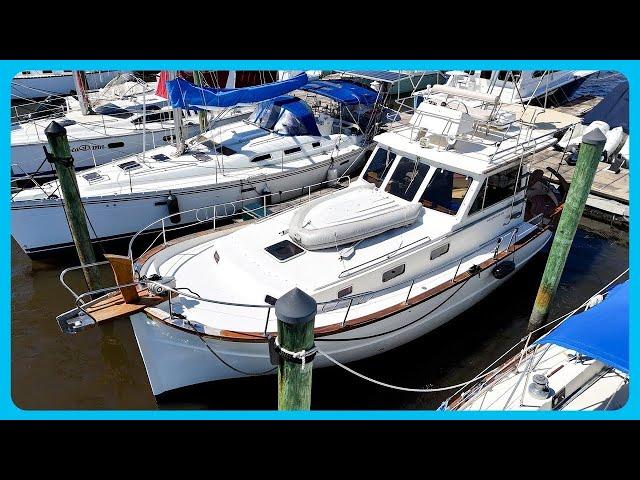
482	374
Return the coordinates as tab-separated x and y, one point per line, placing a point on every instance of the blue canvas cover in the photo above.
286	115
342	91
613	109
184	94
601	332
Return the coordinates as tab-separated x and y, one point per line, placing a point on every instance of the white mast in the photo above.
177	122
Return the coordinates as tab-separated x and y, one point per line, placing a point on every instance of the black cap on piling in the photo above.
54	129
296	307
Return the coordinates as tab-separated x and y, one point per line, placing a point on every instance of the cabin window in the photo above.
446	191
501	186
315	144
393	273
284	250
407	178
127	166
486	74
292	150
116	145
379	166
259	158
439	251
506	75
345	291
477	203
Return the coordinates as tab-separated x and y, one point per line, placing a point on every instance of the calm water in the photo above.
101	368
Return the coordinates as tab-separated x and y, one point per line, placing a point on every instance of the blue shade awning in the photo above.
286	115
342	91
184	94
601	332
613	109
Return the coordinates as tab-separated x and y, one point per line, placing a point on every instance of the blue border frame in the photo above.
8	410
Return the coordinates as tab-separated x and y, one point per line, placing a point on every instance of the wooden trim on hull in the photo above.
258	337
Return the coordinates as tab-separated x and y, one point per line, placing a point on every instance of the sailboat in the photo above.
286	144
438	218
32	84
582	364
123	118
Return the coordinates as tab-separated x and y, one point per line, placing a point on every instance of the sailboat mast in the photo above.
202	114
80	80
177	121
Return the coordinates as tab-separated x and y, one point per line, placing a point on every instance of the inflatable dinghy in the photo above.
573	139
349	216
615	141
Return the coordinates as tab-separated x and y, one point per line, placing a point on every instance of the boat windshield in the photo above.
379	166
446	191
407	178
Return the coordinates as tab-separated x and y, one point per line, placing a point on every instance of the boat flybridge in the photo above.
545	87
286	144
582	364
437	219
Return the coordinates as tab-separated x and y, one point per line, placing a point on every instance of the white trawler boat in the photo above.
582	364
285	145
437	219
518	86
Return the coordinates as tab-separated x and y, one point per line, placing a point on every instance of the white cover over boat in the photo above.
350	216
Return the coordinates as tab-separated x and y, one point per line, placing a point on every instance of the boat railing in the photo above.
82	303
257	206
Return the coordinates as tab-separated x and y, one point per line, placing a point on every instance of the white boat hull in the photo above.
28	159
176	358
40	86
122	215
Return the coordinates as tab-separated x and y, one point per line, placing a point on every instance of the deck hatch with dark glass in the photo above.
284	250
161	157
127	166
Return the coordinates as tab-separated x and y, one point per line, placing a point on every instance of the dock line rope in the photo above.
298	357
482	374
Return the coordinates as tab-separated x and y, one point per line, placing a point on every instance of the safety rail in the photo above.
161	223
325	306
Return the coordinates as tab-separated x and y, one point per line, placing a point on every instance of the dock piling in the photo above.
593	142
73	208
296	312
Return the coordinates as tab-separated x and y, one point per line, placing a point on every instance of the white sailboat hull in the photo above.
124	214
61	83
89	152
176	358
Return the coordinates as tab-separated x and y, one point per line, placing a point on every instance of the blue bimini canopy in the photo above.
285	115
601	332
342	91
184	94
613	109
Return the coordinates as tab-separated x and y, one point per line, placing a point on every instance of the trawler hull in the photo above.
176	357
120	216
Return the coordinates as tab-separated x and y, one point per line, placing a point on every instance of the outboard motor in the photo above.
173	208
